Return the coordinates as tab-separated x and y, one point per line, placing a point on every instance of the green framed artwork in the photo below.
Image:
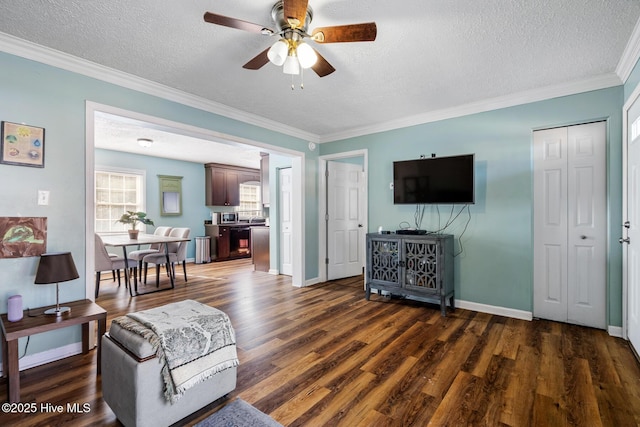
22	145
170	195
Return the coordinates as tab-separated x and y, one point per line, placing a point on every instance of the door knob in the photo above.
627	240
583	237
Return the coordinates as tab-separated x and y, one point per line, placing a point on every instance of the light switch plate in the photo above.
43	197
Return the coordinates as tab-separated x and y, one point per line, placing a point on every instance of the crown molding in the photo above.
630	54
28	50
600	82
35	52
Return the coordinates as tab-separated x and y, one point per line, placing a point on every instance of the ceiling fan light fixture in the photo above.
306	55
278	52
291	65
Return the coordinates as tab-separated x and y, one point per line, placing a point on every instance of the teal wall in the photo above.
194	211
495	266
45	96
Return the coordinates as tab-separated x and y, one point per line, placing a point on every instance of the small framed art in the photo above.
22	145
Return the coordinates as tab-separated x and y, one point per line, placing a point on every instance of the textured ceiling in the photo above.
430	56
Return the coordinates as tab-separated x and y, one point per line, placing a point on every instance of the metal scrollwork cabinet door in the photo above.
419	266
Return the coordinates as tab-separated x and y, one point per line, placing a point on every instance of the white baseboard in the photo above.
494	309
37	359
311	282
274	271
615	331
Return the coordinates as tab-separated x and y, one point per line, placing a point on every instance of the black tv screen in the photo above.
434	180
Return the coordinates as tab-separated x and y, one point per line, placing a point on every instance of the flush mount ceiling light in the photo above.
291	19
145	142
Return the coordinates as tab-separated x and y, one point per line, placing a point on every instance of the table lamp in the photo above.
55	268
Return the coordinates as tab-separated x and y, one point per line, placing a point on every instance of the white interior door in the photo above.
285	221
632	224
344	223
570	224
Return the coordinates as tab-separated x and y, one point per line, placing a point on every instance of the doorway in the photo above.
206	135
344	214
570	220
631	221
284	221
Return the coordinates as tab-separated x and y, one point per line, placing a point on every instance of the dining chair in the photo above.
104	262
153	249
113	272
177	253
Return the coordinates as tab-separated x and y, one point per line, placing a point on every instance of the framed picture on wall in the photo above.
22	236
22	145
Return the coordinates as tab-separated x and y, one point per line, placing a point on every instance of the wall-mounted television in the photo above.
434	180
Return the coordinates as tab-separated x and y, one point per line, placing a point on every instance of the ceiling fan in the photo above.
291	19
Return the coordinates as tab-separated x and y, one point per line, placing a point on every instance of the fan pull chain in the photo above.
292	86
301	78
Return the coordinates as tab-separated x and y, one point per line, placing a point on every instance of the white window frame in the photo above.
253	207
117	228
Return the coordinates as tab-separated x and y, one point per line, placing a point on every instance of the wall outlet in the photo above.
43	197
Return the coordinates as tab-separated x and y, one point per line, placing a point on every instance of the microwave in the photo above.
227	217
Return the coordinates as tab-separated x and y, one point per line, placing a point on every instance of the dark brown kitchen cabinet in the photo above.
229	241
224	242
251	175
222	183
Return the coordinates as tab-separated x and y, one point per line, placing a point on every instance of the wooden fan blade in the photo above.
259	61
214	18
322	67
346	33
296	9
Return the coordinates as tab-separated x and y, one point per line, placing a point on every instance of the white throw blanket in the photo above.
193	340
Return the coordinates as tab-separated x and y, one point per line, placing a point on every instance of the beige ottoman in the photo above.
132	383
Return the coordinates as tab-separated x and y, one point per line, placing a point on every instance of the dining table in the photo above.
123	241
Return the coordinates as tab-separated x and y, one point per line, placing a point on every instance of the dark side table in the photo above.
35	322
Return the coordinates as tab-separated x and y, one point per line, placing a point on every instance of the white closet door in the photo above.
570	224
587	235
550	224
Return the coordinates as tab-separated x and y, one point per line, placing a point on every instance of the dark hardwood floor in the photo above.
323	355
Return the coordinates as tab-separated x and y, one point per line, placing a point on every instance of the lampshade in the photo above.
306	55
55	268
291	65
278	52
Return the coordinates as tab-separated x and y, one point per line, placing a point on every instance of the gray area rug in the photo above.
239	414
